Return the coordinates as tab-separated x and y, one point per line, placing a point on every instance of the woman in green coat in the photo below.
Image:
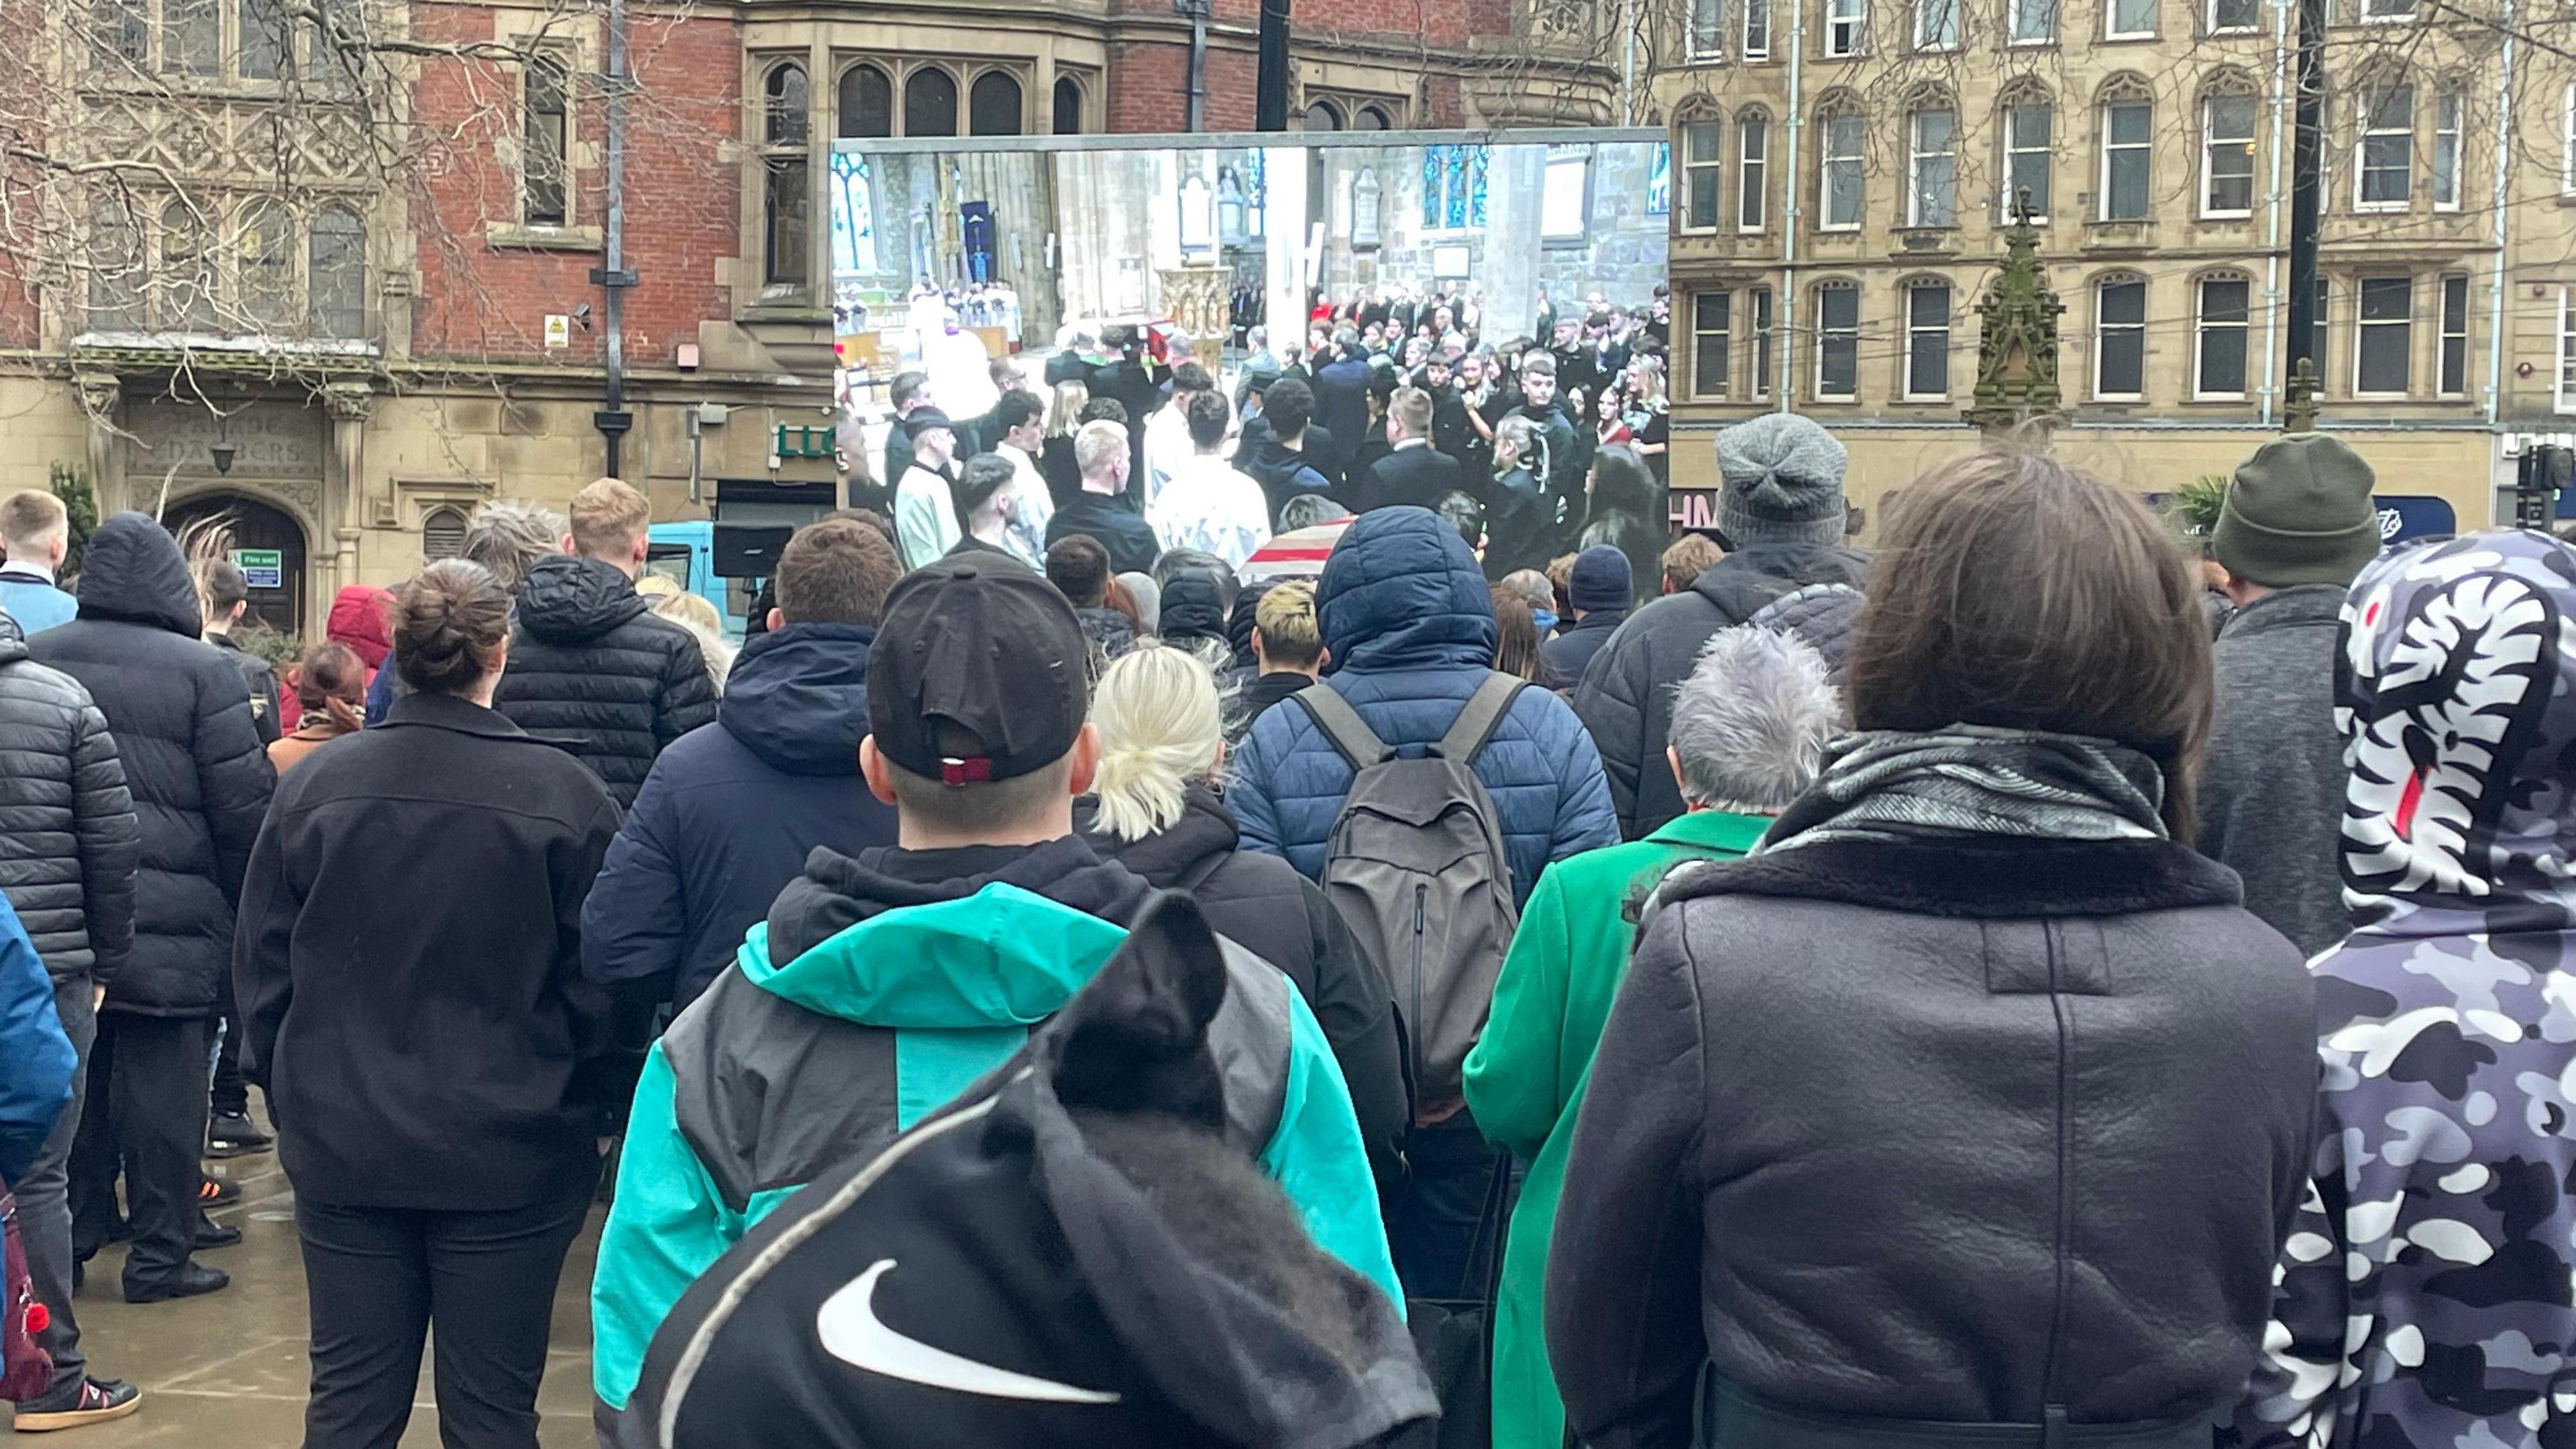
1749	725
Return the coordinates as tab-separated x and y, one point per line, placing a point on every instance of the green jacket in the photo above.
782	1072
1525	1077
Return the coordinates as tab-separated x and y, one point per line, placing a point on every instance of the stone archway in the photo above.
261	526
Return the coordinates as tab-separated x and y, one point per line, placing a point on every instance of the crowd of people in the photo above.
1306	947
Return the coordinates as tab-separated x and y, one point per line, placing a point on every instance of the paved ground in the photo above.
228	1371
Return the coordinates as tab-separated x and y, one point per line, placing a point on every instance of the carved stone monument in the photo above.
2017	339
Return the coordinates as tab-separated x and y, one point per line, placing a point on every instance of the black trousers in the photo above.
146	1117
378	1278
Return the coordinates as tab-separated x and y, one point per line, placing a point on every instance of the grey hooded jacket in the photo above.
2271	792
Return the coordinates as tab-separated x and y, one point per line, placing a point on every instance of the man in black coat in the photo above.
1341	404
1103	510
200	783
1780	502
592	668
68	853
227	595
1415	473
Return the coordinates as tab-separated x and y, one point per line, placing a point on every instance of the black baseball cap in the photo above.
922	420
982	646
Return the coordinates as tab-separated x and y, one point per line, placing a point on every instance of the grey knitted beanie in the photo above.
1782	482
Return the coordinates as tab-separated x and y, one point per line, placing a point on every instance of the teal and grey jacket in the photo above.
880	987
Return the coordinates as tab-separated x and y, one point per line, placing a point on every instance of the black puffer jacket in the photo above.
594	670
68	847
1260	902
193	763
1626	696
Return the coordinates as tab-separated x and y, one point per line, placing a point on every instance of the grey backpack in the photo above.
1415	866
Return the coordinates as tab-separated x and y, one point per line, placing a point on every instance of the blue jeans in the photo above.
1431	1221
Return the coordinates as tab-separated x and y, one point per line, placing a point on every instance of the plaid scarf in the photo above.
1972	780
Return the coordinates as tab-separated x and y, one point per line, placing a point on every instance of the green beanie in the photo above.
2298	512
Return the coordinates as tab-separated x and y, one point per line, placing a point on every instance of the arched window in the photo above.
186	279
2120	337
1843	132
2222	314
335	267
1932	162
116	266
1370	118
2128	114
1323	116
993	106
1703	152
265	253
1837	340
1752	169
867	103
785	184
2227	118
1068	106
930	103
1927	338
442	535
2029	129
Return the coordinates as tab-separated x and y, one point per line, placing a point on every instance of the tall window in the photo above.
1565	197
993	106
2129	19
1453	186
2383	337
784	129
264	251
266	49
2034	22
2566	351
930	103
1757	301
2448	104
1846	24
866	107
2385	163
2027	128
1841	177
2319	333
186	277
1703	147
1838	340
192	37
122	30
335	269
1932	169
1752	170
1757	29
2227	156
1068	106
2235	17
2120	338
2222	328
2128	149
2567	142
1709	350
2454	381
1936	24
116	265
1707	29
545	123
1927	340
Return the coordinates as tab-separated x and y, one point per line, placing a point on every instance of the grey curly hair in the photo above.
1751	722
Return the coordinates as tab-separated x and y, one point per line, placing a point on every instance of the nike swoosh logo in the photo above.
851	1332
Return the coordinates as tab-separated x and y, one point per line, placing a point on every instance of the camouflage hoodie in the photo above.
2424	1294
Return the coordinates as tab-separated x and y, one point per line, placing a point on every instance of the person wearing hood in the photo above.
1102	511
200	784
1289	453
2296	526
1195	610
1780	504
68	854
731	810
1972	1107
1600	589
409	965
884	983
1625	509
358	614
1750	725
2422	1294
1153	807
226	591
592	668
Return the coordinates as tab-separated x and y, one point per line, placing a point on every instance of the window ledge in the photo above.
518	236
2148	38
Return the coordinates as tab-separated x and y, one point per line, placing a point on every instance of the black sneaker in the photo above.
92	1401
231	1135
218	1192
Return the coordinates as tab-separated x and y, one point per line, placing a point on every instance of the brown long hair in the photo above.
2016	592
1515	634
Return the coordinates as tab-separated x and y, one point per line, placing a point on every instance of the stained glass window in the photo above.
1659	182
1453	187
854	221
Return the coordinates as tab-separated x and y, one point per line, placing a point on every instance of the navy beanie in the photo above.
1601	580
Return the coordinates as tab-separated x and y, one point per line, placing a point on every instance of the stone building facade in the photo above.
1843	174
340	278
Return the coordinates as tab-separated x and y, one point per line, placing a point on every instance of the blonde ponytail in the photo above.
1156	711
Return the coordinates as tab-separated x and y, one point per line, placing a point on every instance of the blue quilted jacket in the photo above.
1406	613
